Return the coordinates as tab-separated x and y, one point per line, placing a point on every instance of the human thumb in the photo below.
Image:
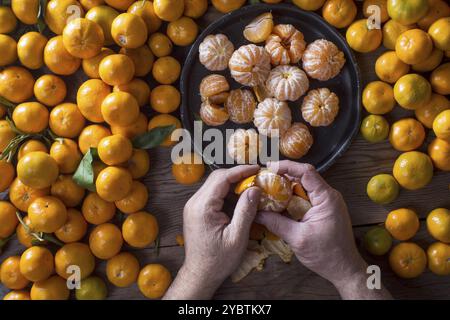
245	211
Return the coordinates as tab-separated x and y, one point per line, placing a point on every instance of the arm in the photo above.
323	241
214	244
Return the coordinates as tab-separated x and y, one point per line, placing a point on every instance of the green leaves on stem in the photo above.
41	16
84	175
39	238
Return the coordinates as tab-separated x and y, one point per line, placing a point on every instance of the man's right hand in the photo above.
323	241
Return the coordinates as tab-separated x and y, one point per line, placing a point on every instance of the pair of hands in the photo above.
215	244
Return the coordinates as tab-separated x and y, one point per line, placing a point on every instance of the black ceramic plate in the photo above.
329	142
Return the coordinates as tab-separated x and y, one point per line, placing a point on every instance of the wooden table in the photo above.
293	281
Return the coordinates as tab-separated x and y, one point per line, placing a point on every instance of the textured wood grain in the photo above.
279	281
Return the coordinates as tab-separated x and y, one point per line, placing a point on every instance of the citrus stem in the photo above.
38	236
3	242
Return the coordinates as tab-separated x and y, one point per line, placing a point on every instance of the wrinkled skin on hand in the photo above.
214	243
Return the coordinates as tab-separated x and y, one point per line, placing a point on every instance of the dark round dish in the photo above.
329	142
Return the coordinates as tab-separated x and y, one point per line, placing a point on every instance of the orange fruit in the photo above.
30	50
17	295
383	189
129	30
53	288
407	11
138	88
135	200
163	120
29	146
188	169
91	66
438	224
74	229
10	275
96	210
166	70
402	224
169	10
165	99
276	191
154	279
139	164
412	91
183	31
16	84
427	113
36	263
146	11
90	96
374	128
439	152
378	98
122	270
142	58
391	31
8	46
195	8
74	254
260	28
440	79
114	150
413	46
408	260
380	5
104	17
8	173
67	191
60	12
309	5
140	229
226	6
390	68
116	69
37	170
47	214
6	134
26	10
50	90
30	117
23	235
413	170
441	125
21	196
105	241
66	120
91	136
8	20
137	128
83	38
431	63
121	5
120	109
113	183
160	44
407	134
440	33
439	258
438	9
8	218
363	39
339	13
58	59
89	4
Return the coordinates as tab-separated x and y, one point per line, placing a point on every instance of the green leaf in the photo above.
153	138
254	1
84	175
41	16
